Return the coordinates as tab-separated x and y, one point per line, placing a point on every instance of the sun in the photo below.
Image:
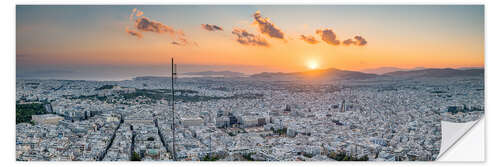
312	65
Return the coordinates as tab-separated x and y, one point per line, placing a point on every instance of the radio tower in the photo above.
174	73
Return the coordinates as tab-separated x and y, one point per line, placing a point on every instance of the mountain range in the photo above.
332	74
434	72
383	70
216	73
320	74
336	74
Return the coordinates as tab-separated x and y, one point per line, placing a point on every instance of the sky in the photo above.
140	40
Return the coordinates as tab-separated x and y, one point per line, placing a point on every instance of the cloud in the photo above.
211	27
267	27
309	39
328	36
348	42
358	41
144	24
131	16
246	38
133	33
183	42
139	13
135	12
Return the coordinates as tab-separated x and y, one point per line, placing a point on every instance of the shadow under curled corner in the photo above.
452	132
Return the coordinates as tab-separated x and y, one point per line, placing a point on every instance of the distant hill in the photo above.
216	73
383	70
321	74
333	74
142	78
469	68
435	72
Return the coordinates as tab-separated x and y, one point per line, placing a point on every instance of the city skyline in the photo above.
66	38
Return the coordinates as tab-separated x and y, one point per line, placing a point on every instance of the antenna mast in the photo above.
174	73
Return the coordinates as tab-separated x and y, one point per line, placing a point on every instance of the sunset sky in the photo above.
248	39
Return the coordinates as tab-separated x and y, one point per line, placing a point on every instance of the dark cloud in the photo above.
246	38
348	42
358	41
144	24
139	13
135	12
183	42
211	27
328	36
131	16
267	27
309	39
134	33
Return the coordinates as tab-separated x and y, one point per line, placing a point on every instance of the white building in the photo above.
46	119
187	122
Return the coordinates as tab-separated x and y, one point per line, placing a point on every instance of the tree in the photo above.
25	111
135	157
210	158
364	158
248	156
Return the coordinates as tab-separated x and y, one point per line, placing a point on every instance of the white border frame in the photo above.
8	73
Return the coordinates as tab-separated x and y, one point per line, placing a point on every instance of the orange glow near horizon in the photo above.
292	56
312	64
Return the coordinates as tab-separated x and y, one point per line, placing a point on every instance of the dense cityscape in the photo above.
240	118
